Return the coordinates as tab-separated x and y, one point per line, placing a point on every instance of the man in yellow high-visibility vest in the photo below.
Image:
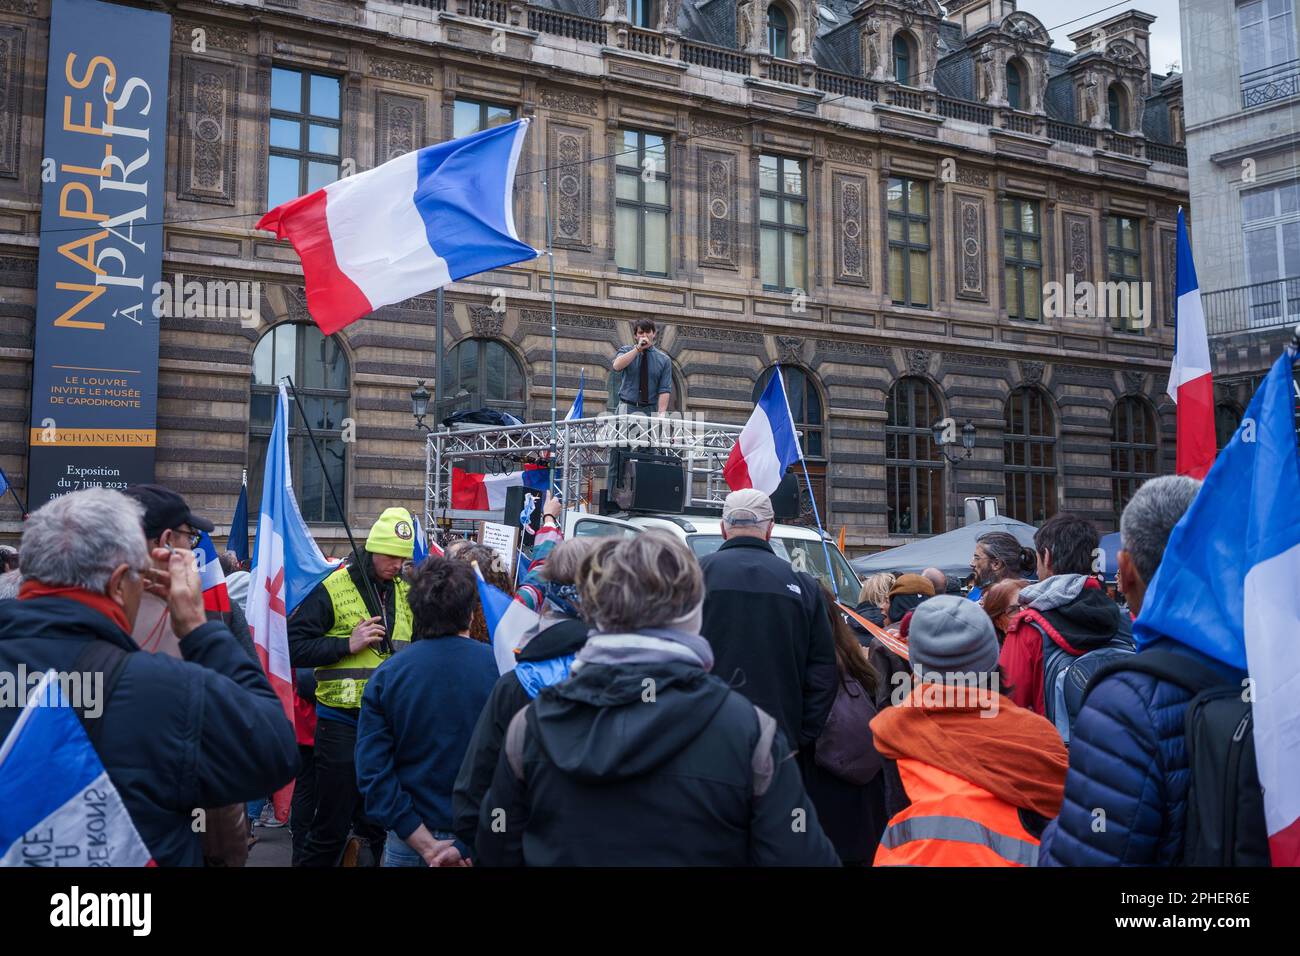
341	632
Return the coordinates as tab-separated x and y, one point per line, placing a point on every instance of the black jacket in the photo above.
770	634
611	780
508	696
308	645
207	731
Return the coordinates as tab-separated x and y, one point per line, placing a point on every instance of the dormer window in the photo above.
902	59
1015	96
778	32
1115	107
640	13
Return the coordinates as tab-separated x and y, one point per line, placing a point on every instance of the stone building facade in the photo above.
879	210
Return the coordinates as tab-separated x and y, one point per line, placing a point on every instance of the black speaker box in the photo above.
515	504
785	500
647	482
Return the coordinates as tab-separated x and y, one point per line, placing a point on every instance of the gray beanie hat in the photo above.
950	635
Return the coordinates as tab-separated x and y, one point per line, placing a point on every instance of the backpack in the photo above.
1066	677
1225	803
845	748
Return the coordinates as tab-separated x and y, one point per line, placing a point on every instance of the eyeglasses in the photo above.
195	537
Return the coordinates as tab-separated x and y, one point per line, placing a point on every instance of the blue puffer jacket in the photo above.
1128	759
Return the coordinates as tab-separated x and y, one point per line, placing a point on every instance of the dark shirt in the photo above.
661	376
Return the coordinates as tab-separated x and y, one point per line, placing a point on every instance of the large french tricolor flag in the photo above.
287	565
767	445
414	224
57	794
1227	586
488	492
508	620
1190	383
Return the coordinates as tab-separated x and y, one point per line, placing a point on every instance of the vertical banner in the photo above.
95	367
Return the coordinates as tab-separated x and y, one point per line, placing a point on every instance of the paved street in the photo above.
272	847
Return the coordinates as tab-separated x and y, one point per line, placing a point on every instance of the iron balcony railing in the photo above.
1264	305
1273	83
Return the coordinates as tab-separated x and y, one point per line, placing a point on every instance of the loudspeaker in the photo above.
515	504
647	482
785	500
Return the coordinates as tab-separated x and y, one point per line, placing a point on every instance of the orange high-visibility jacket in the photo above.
952	822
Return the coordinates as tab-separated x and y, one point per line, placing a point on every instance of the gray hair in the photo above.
1149	518
77	540
9	582
562	563
628	584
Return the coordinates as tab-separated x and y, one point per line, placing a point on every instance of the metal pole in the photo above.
437	348
830	568
550	254
387	644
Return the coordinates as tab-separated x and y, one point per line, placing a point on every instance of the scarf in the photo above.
564	597
98	602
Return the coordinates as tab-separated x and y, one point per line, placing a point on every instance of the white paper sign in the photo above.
501	539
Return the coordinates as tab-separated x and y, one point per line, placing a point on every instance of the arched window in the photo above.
1132	449
489	373
1115	107
913	463
778	32
1227	419
320	373
902	59
1014	96
1029	456
806	408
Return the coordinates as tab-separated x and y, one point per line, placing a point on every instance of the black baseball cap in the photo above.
163	509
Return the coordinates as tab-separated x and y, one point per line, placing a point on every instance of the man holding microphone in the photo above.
648	388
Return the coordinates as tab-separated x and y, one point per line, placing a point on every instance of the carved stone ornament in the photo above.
789	349
485	323
1031	372
918	362
1133	381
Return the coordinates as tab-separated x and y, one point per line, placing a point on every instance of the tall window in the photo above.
1227	419
1115	108
909	242
1029	456
304	137
1132	449
783	223
1266	41
320	373
913	463
1015	98
902	59
490	373
1022	249
1124	265
1271	228
778	32
640	13
642	206
806	408
474	116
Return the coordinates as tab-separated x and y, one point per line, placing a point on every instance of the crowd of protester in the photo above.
663	711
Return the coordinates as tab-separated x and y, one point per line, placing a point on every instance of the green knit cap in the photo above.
393	534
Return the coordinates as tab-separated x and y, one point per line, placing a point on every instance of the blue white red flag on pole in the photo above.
767	445
211	576
507	620
420	549
1227	587
287	565
488	492
575	410
413	224
61	808
1191	385
238	540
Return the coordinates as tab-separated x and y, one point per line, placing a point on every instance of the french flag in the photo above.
287	565
57	795
213	579
507	621
1190	383
575	410
488	492
1227	587
416	223
767	445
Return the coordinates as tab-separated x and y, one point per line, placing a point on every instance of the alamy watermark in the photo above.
1082	298
239	299
83	690
963	690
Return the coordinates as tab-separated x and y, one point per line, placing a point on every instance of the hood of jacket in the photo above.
564	636
602	724
1080	613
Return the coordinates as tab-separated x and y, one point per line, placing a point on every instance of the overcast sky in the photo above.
1165	41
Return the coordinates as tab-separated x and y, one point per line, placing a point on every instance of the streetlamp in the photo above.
420	404
939	433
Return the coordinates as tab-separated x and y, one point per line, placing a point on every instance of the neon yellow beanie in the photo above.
393	534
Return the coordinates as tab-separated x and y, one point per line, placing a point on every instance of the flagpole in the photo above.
387	643
550	255
826	551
